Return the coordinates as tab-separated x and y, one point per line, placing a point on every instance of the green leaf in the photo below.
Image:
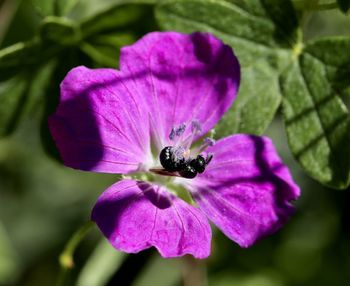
251	113
120	16
54	7
88	9
60	31
255	29
262	34
19	95
63	7
15	57
101	265
70	58
44	7
13	93
344	5
27	56
38	92
102	56
104	49
316	119
9	261
333	52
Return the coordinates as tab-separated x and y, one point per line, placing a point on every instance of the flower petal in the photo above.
135	216
99	124
245	190
183	78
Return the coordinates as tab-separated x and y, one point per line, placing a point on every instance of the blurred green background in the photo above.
42	202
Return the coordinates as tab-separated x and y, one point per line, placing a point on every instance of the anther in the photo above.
177	131
196	127
177	161
209	141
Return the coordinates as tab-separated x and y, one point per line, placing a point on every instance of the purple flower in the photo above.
170	91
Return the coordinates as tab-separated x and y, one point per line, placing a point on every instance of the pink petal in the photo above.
245	190
100	125
136	215
183	78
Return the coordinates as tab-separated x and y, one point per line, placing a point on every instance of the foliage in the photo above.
284	74
277	66
261	36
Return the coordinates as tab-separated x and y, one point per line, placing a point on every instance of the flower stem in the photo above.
66	257
194	272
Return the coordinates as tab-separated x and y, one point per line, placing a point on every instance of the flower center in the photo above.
178	159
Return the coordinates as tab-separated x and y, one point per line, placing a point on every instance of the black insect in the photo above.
187	169
169	161
188	172
199	164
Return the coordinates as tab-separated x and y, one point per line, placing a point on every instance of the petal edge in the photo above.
135	216
246	190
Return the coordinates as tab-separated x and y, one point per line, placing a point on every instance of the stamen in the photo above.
181	129
178	153
179	157
177	131
196	127
206	143
209	141
172	134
